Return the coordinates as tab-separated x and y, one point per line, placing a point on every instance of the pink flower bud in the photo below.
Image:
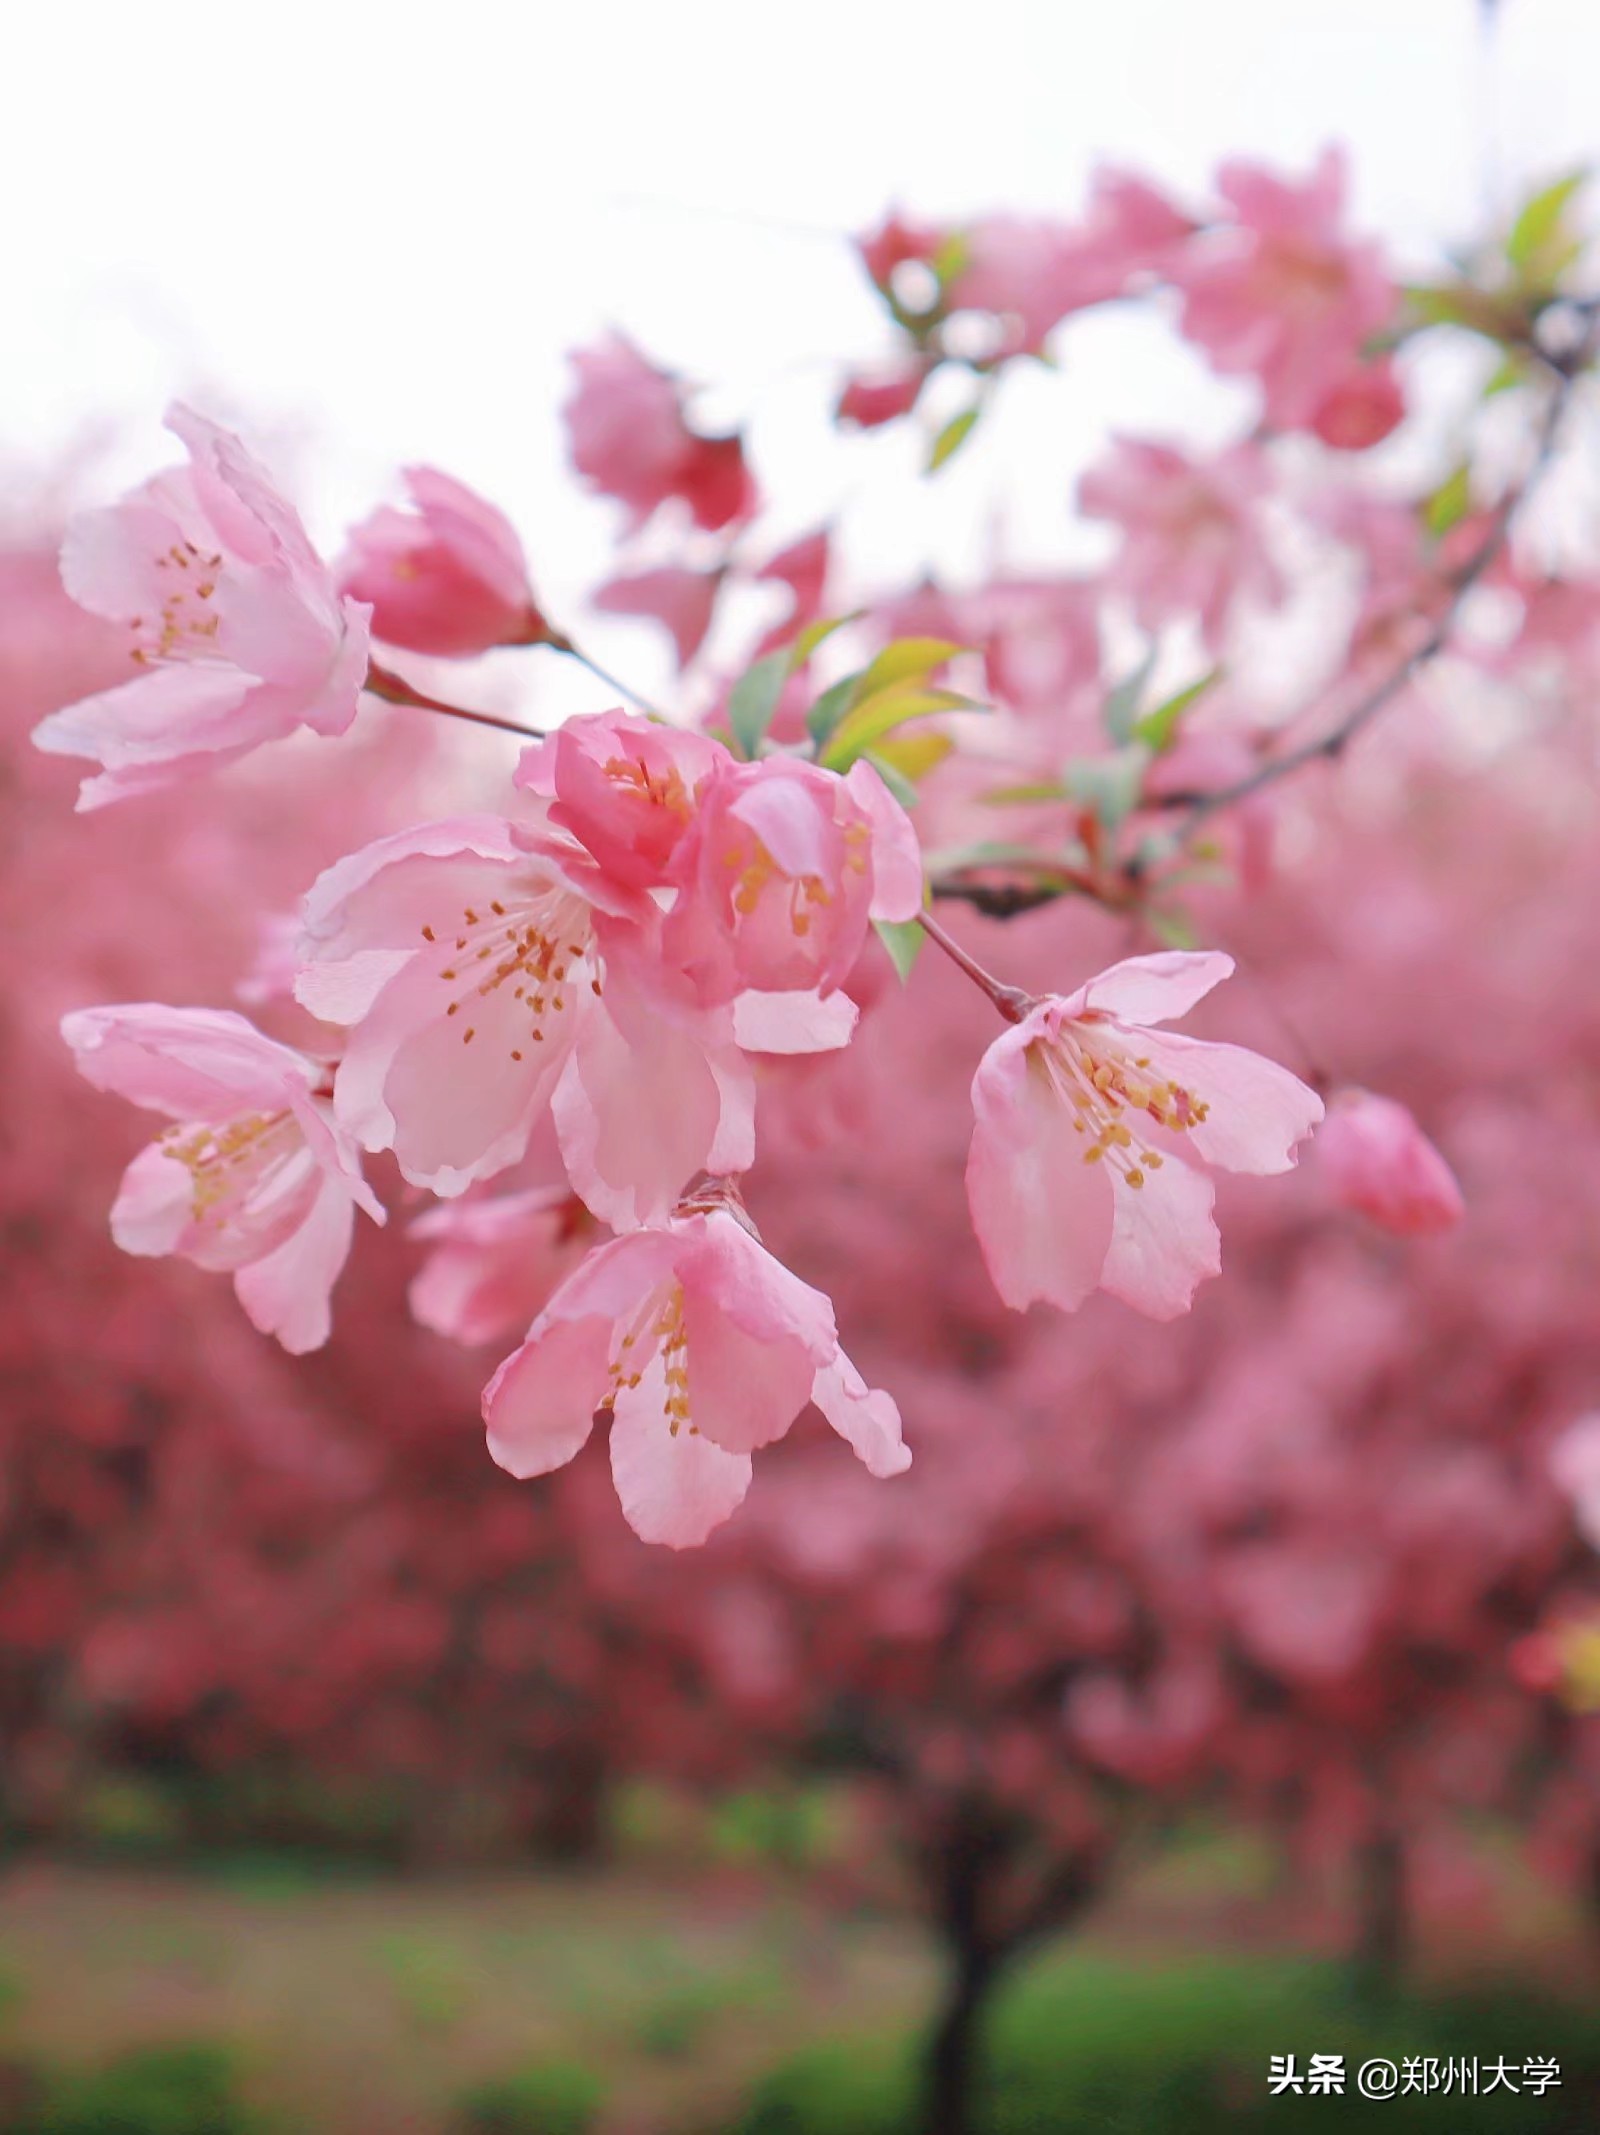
448	577
1376	1158
1361	409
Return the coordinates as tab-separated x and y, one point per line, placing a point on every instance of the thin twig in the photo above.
395	689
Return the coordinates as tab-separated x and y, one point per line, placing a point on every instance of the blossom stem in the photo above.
558	642
395	689
1011	1001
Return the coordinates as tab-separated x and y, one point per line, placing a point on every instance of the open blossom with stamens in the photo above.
1094	1129
237	632
256	1179
783	869
700	1348
490	970
625	787
494	1262
448	577
1375	1158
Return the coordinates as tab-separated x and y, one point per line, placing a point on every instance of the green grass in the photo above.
550	2098
1083	2046
159	2090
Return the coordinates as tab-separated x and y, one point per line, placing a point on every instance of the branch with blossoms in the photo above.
577	992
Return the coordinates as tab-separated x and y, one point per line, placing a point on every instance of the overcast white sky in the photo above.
370	231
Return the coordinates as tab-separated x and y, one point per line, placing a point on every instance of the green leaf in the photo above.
831	707
1538	229
951	438
1509	373
1173	927
1122	706
1450	503
1158	730
754	699
879	714
1033	790
1110	785
906	657
951	258
903	938
814	633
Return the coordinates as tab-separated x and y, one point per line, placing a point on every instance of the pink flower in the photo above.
683	600
1362	408
700	1348
630	440
495	1262
625	787
1376	1158
490	972
256	1179
894	243
1282	294
1082	1170
871	402
782	871
1575	1469
1192	539
448	578
239	634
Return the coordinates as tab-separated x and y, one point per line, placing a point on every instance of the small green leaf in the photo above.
1033	790
903	938
1538	229
754	699
1173	927
1508	374
867	722
906	657
1158	730
951	438
951	258
1122	706
1449	504
814	634
1110	785
832	705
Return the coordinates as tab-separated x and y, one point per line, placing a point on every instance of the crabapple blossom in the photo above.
448	577
238	631
684	601
1575	1468
1089	1121
1374	1157
1361	409
626	788
1281	293
495	1261
257	1178
700	1348
491	971
1192	538
630	440
783	868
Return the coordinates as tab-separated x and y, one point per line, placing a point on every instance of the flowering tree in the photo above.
575	993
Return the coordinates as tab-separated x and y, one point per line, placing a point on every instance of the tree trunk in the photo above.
953	2049
1378	1960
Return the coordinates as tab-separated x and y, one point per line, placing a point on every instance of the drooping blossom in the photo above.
683	601
256	1178
490	970
1575	1466
494	1262
238	634
1281	293
1374	1157
1094	1131
625	787
783	869
1193	541
701	1348
448	577
631	440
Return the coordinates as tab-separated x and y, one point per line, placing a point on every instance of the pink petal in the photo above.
674	1490
1258	1111
1163	1241
540	1405
287	1292
896	855
1042	1215
191	1063
154	1205
1152	989
794	1022
866	1418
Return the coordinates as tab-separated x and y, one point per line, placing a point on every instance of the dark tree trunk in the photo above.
953	2049
1378	1959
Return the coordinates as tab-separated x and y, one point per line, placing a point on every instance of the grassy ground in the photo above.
364	2005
